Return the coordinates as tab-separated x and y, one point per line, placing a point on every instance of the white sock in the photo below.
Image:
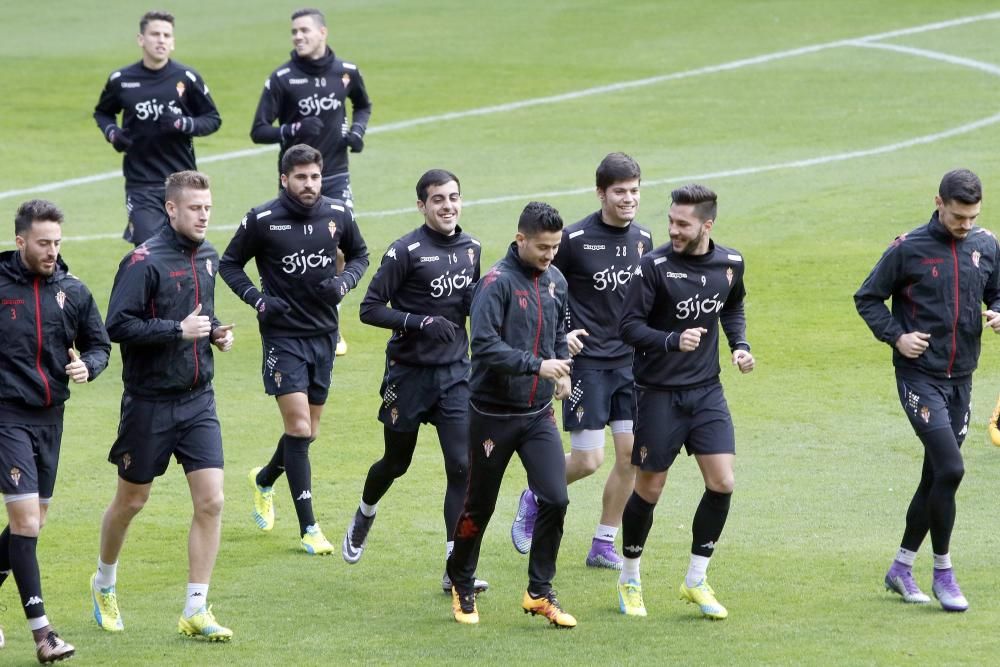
696	570
449	546
606	533
197	594
366	509
38	623
630	570
906	557
942	561
107	575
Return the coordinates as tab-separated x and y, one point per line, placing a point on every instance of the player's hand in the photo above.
573	341
355	138
743	360
196	325
563	387
992	320
270	308
117	138
439	329
911	345
691	338
305	130
553	369
222	337
173	124
76	369
332	290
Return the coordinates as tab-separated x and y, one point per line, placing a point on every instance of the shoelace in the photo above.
909	583
52	639
949	584
111	600
467	602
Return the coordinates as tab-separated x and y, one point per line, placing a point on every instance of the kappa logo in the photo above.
61	299
674	274
975	258
277	378
278	228
391	254
925	414
208	266
138	255
488	447
552	290
298	82
430	258
633	549
579	413
709	545
394	414
305	495
643	453
126	461
15	475
33	600
594	246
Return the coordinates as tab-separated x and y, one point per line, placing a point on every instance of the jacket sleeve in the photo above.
390	276
562	347
991	294
242	247
352	244
134	288
91	337
263	130
733	318
634	324
875	290
488	307
203	110
361	106
107	109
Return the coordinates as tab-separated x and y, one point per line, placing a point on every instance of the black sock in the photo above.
270	473
455	448
637	519
395	461
709	520
4	554
24	566
299	475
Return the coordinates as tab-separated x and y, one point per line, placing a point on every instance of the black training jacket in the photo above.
517	322
144	97
41	318
598	261
671	292
158	284
423	273
938	285
320	88
295	248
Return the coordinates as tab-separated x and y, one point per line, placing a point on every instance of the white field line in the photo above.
989	68
551	99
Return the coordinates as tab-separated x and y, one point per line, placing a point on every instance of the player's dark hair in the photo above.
616	167
184	180
155	15
298	155
40	210
961	185
309	11
539	217
435	177
704	200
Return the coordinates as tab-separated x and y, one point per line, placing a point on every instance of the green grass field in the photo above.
825	128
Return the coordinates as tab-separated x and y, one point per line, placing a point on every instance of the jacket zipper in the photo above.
538	336
38	356
197	300
954	327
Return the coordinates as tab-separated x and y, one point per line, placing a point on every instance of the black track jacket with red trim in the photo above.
938	285
36	348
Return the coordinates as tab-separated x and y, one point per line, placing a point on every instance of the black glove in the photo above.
332	290
356	138
171	124
270	308
439	329
304	130
118	138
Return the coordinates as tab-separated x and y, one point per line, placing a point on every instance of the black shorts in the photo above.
698	419
599	397
146	213
299	365
150	431
415	395
338	186
29	458
932	405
